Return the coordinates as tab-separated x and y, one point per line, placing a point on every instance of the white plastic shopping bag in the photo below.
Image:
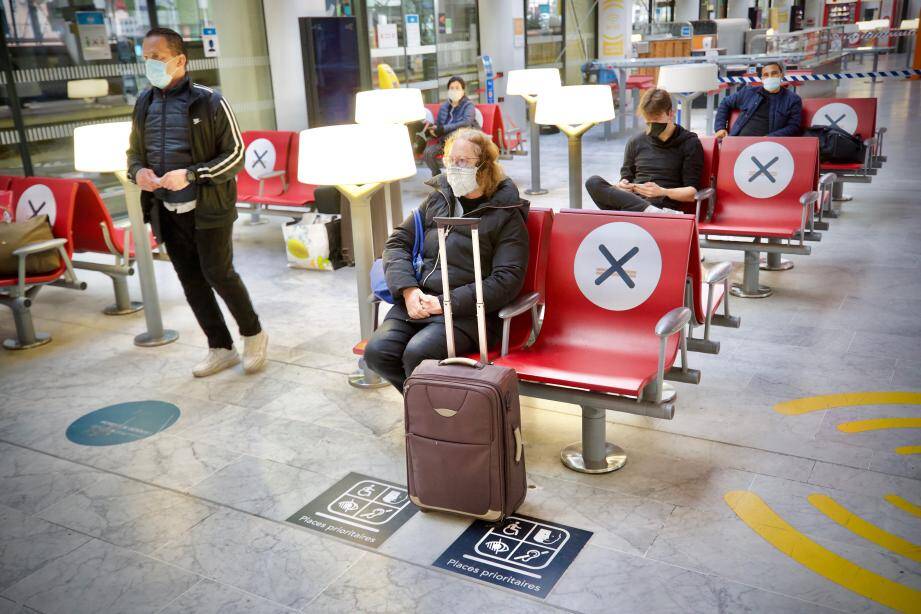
314	242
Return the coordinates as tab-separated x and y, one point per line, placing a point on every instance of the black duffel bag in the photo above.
837	145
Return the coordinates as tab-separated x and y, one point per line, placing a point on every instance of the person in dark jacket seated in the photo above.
455	113
769	110
662	165
473	185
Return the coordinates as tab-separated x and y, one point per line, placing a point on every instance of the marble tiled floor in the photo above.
192	520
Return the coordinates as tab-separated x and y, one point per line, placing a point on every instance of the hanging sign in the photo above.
413	35
93	35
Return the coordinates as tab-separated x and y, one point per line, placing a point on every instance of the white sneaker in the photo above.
254	352
654	209
216	361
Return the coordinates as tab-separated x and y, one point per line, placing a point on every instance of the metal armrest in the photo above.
717	272
807	200
870	144
705	194
41	246
525	303
519	306
672	322
271	175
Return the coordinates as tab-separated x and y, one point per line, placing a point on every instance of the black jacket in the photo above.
503	249
217	154
674	163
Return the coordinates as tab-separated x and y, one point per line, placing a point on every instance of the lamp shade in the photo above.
355	154
575	104
909	24
101	148
531	81
87	88
682	78
393	106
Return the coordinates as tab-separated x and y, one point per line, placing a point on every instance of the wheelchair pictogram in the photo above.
764	169
369	502
838	115
260	158
36	200
618	266
524	544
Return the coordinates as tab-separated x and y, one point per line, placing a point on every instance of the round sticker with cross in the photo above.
618	266
764	170
836	115
36	200
260	158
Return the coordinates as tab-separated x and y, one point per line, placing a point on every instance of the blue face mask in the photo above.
155	70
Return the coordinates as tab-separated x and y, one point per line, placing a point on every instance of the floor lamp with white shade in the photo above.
357	159
391	106
101	148
574	109
529	83
686	82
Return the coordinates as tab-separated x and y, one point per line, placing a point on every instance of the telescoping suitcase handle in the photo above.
444	223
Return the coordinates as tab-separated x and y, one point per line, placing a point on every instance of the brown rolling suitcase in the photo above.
464	449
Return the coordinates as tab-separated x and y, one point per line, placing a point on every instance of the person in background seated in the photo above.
662	165
473	185
455	113
770	110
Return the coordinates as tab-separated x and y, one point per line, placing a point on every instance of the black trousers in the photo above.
612	198
398	346
203	260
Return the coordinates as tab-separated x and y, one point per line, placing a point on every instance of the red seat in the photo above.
54	198
492	124
92	223
266	151
767	203
608	343
298	194
855	115
57	198
5	181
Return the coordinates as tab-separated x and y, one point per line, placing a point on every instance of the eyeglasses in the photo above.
461	162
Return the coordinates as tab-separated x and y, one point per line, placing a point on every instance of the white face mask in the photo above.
455	95
461	180
771	84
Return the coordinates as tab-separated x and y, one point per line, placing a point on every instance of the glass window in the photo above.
458	44
77	62
544	33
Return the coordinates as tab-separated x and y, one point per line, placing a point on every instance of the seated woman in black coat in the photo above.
662	165
473	185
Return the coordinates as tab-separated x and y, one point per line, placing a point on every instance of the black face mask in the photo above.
657	128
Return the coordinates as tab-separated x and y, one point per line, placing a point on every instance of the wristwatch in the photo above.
190	176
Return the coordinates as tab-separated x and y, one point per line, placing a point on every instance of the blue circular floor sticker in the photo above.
122	423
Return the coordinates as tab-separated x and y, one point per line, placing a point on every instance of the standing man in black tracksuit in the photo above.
185	153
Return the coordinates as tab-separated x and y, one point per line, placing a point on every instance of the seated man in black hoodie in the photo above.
661	168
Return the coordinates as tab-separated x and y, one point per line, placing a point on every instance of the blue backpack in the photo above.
378	279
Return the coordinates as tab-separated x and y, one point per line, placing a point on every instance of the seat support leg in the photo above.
750	288
123	304
26	337
838	195
775	262
365	378
593	454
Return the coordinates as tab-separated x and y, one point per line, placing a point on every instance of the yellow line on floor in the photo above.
847	399
908	450
906	506
870	532
754	512
878	424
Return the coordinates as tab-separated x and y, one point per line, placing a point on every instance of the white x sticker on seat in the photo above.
36	200
837	114
618	266
764	169
260	158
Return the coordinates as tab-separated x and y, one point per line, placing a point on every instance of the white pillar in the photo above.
498	40
687	10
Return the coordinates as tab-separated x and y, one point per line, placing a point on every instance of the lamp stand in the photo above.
535	188
156	334
575	162
363	251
